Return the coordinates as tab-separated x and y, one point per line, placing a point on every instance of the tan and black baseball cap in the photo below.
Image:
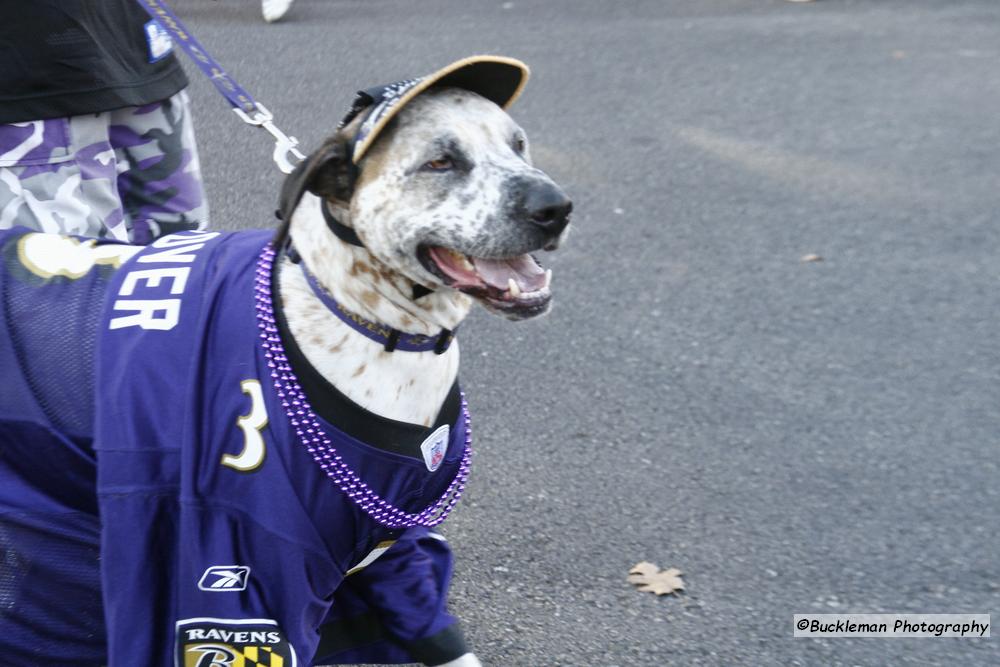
497	78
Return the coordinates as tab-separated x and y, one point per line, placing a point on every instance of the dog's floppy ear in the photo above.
328	173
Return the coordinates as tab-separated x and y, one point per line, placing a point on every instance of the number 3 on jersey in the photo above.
251	424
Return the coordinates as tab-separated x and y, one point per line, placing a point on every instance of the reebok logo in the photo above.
221	578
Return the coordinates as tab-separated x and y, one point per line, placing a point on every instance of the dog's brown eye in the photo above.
440	164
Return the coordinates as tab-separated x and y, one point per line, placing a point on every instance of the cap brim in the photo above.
497	78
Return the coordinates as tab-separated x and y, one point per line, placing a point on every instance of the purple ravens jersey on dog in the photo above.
156	505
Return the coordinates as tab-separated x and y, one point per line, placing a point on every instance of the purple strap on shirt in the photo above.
392	339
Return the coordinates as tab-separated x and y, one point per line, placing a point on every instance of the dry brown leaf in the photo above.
649	577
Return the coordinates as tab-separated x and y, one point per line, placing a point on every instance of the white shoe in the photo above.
467	660
275	9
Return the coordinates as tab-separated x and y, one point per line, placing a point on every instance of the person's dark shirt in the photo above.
71	57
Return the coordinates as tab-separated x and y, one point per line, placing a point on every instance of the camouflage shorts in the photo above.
130	174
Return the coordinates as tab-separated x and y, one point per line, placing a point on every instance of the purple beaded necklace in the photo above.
312	435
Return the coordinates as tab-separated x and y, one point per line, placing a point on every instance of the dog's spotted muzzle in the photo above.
516	286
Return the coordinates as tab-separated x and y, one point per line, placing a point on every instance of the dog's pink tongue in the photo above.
524	270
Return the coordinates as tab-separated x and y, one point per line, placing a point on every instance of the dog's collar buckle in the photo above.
444	341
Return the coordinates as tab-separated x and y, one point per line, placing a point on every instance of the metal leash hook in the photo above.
284	145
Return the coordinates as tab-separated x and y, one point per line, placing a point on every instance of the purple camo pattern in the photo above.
129	174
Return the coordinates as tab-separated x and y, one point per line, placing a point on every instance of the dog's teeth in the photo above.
515	291
461	260
548	278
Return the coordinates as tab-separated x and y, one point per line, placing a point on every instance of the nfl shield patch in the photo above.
434	447
229	642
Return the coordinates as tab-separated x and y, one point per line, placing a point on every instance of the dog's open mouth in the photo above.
516	286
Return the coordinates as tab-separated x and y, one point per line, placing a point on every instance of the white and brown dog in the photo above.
446	199
297	526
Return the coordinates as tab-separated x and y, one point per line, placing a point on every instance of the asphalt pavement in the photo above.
795	436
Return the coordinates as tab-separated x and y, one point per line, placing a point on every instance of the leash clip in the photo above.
284	147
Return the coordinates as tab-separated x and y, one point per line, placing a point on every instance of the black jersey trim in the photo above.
348	633
339	410
438	649
357	631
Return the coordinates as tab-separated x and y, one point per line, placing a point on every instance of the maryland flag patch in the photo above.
228	642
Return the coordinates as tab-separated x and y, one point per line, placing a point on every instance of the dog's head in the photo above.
446	196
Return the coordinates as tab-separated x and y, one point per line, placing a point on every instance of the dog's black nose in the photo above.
548	207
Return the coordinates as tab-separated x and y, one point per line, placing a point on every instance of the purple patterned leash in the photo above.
392	339
311	434
250	111
210	67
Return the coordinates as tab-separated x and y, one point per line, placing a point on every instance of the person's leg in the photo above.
60	175
159	174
